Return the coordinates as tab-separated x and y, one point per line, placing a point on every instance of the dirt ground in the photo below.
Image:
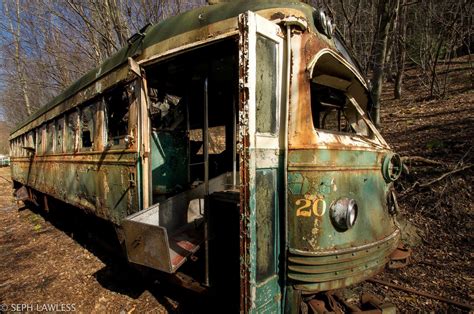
442	212
44	260
42	263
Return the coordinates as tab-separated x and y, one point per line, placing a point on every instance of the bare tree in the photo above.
47	44
400	48
17	56
386	12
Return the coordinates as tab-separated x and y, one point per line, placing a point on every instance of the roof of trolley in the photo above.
167	29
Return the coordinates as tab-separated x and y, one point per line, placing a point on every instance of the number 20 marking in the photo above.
306	208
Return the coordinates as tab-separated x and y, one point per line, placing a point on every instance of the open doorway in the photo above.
177	89
193	100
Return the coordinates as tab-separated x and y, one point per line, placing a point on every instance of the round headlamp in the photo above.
329	28
392	167
324	23
343	213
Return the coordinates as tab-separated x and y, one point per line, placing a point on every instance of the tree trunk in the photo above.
386	10
17	57
434	77
402	51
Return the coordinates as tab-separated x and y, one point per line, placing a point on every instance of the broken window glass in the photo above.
72	128
40	139
59	135
32	140
168	111
117	105
50	137
332	111
266	223
88	126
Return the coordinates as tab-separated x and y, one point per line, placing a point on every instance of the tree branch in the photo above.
421	159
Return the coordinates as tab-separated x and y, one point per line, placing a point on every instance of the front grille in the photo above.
327	270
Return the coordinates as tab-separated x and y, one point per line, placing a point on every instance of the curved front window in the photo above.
339	99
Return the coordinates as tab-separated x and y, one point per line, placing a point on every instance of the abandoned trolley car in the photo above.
231	142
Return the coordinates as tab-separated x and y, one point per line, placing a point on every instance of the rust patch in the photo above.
301	125
242	147
277	16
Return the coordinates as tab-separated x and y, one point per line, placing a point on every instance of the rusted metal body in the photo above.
103	186
294	172
101	178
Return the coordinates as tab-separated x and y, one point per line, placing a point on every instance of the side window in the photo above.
88	126
59	135
39	136
15	147
32	139
72	128
18	146
50	135
117	104
24	143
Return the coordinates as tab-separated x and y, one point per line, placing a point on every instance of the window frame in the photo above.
93	106
75	112
59	145
50	146
105	116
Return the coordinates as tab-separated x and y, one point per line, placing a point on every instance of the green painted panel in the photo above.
169	161
319	178
269	297
266	222
265	244
335	158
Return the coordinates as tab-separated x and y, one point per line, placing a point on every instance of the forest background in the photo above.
45	45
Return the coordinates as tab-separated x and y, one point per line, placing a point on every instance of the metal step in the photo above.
161	237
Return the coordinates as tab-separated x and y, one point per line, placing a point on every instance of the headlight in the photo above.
343	213
392	167
323	23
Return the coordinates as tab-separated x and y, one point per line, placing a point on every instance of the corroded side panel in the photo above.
102	184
